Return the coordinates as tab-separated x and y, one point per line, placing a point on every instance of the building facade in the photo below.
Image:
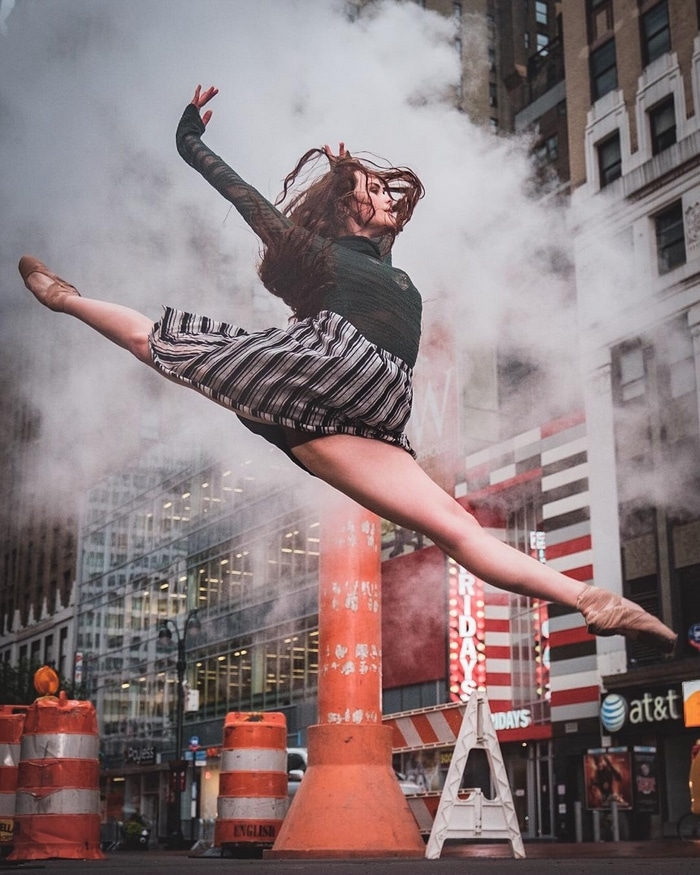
633	91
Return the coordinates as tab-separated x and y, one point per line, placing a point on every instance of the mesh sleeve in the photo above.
267	221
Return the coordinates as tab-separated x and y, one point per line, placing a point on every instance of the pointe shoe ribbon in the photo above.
52	296
606	613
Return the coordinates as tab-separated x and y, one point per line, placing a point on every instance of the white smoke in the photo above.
90	95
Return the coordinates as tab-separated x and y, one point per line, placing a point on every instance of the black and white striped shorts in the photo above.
320	376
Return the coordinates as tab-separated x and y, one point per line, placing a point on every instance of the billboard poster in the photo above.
608	777
646	785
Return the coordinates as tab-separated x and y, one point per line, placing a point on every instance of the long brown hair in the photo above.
294	266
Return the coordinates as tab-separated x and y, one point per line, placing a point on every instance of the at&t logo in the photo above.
613	712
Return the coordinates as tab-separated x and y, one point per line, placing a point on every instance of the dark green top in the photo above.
379	300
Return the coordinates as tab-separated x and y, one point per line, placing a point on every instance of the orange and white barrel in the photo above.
57	811
252	798
11	726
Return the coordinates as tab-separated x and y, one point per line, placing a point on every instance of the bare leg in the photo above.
386	480
123	326
126	327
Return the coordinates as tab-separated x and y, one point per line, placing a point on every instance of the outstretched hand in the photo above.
342	153
201	98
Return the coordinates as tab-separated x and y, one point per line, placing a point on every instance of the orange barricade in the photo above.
11	726
58	795
437	726
252	799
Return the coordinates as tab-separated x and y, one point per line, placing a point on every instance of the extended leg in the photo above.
126	327
386	480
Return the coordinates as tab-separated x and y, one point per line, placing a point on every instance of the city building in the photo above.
38	543
633	93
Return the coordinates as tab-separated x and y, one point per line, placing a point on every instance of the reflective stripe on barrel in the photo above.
251	808
69	801
252	799
9	753
250	759
58	796
64	746
7	804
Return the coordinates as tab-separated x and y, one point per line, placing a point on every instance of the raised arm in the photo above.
265	219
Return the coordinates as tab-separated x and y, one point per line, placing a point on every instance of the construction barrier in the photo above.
426	727
11	726
455	812
424	807
252	798
58	796
423	729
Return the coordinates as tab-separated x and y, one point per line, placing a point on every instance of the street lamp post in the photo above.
193	625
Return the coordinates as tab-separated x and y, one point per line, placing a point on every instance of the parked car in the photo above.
298	762
408	787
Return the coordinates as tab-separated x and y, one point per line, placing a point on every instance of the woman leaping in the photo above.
333	390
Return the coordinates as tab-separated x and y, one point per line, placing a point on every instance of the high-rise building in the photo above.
633	97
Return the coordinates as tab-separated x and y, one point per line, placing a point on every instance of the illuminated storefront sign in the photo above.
691	703
140	755
519	718
538	550
629	709
466	615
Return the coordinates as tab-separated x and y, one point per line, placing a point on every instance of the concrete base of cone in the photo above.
350	803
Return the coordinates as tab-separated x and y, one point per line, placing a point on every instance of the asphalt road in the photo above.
641	858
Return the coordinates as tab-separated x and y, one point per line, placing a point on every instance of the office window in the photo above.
549	150
670	238
681	362
662	124
632	373
609	159
656	33
600	19
603	70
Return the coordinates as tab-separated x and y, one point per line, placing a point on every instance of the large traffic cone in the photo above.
350	803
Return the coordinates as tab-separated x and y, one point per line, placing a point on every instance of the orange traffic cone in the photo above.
349	803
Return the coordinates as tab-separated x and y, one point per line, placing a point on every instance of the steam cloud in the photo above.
90	94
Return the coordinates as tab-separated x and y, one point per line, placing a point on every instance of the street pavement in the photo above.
608	858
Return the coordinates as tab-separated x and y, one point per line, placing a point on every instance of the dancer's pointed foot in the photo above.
608	614
47	288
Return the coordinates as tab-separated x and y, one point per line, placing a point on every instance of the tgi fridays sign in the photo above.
466	623
640	708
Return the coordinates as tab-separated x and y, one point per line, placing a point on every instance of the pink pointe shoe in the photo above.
52	296
608	614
